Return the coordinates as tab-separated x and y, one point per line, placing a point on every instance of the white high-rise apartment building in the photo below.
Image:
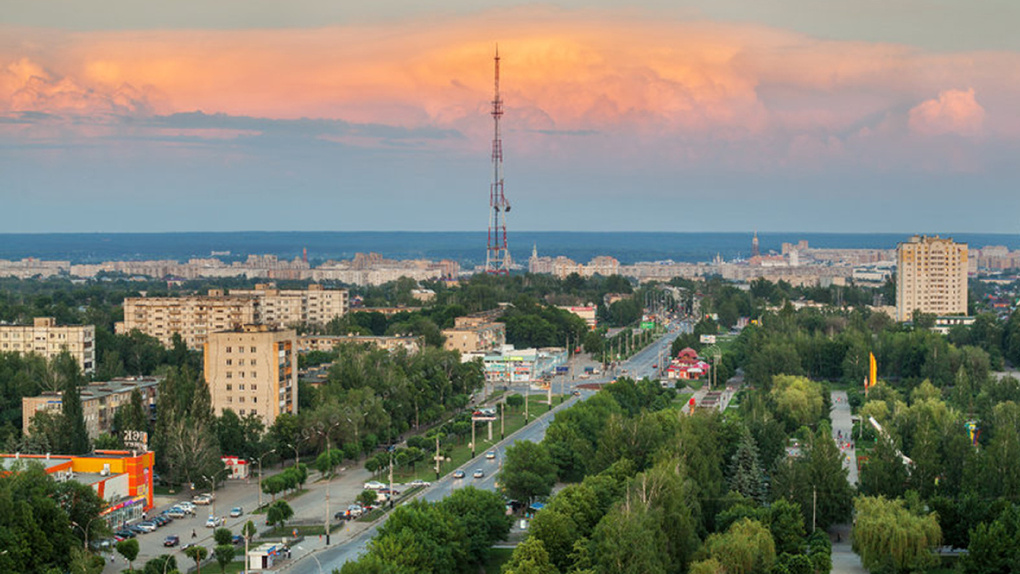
931	276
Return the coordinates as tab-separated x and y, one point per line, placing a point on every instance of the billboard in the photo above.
707	339
647	324
135	440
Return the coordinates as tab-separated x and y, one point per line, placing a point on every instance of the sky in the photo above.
664	115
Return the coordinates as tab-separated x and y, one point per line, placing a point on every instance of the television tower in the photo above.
497	256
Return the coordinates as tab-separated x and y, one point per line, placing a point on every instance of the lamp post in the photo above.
212	480
260	473
84	531
329	476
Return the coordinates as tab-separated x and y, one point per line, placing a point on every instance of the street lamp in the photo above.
260	474
84	531
329	476
212	480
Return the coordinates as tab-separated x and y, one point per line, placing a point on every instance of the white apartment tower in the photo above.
931	276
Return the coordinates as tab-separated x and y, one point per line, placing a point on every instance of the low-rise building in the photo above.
45	338
586	312
123	479
253	370
473	334
100	401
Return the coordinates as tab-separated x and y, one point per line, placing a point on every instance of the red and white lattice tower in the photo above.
497	256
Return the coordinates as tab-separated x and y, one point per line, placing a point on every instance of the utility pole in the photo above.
472	436
391	483
437	454
502	418
526	393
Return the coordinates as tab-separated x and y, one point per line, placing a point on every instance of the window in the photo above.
254	387
253	349
240	399
254	399
228	349
230	362
230	375
253	362
240	362
254	375
240	387
241	412
229	387
230	399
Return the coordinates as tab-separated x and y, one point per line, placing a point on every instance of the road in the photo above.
639	365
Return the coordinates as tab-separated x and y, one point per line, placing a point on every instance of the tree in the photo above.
74	435
367	497
483	516
530	557
798	400
995	547
224	555
528	471
746	475
198	554
278	513
160	564
129	550
891	538
746	547
223	536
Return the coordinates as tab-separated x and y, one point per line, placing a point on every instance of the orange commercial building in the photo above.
121	478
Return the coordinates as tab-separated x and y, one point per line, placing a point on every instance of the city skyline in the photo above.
698	116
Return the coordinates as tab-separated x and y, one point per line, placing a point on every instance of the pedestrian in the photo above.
193	533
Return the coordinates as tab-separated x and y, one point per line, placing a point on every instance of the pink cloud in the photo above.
953	112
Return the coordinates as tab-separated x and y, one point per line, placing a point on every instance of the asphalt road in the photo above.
640	365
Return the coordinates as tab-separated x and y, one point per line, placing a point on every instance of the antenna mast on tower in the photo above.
497	256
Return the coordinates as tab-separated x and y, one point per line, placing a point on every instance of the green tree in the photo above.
198	554
129	550
74	435
530	557
224	555
279	513
745	548
746	475
629	540
528	471
367	497
798	400
995	548
483	517
223	536
160	564
891	538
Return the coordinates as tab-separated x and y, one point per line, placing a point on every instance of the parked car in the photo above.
393	491
479	473
162	519
172	540
136	529
374	485
237	539
124	533
148	526
214	521
419	482
355	510
490	455
458	474
176	512
203	499
236	511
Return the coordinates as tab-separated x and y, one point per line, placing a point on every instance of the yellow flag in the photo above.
873	374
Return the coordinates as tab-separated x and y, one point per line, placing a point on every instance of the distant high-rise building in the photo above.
755	252
931	277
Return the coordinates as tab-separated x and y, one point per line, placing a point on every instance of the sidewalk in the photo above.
842	433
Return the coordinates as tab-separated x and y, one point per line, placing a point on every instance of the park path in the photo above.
844	560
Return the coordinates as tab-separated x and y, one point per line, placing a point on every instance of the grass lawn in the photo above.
459	454
497	557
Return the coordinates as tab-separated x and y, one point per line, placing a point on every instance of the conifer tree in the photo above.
746	476
74	437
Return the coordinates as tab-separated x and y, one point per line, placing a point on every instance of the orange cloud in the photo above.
953	112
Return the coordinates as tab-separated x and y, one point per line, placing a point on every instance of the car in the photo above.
148	526
479	473
124	534
393	491
355	510
172	540
162	519
176	512
491	455
186	546
458	474
419	482
203	499
236	511
655	366
237	539
374	485
136	529
577	393
213	521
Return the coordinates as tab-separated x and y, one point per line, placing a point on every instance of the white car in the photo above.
202	499
490	455
186	506
374	485
419	482
236	511
214	521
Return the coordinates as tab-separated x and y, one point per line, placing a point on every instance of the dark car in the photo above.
126	533
238	539
458	474
171	540
136	529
